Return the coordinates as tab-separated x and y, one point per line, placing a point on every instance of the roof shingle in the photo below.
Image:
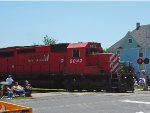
141	36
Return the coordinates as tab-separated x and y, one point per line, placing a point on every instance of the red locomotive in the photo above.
67	65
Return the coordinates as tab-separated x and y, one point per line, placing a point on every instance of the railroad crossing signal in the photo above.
146	60
140	61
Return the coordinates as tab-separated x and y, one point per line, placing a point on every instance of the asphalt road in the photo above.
87	102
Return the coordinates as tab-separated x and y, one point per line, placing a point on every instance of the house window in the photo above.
130	40
140	54
75	53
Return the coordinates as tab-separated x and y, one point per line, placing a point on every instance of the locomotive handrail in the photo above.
3	83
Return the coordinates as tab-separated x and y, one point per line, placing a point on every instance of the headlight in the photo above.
125	77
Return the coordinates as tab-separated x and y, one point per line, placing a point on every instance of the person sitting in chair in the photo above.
9	92
18	89
27	88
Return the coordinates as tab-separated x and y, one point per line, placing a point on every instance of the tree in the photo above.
49	40
106	50
35	44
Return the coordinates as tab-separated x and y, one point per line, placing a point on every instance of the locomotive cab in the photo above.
78	58
89	59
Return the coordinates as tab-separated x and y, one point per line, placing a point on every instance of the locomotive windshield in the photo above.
92	51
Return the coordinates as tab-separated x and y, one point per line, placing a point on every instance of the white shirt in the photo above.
18	87
9	80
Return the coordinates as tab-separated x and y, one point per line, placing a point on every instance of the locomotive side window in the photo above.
75	53
92	51
59	47
21	51
6	54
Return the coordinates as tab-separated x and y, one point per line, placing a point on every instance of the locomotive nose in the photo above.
108	62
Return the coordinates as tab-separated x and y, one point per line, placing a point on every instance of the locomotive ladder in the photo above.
114	82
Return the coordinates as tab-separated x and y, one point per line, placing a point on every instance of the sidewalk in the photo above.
35	95
38	94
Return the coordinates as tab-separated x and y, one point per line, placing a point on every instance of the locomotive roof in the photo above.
78	45
10	47
16	47
71	45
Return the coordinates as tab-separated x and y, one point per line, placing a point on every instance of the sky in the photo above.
25	23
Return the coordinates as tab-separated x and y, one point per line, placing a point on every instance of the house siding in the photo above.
130	55
147	55
130	51
128	45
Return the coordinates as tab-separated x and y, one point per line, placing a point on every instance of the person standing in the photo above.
9	80
144	77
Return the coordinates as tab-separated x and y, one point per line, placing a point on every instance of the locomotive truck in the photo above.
73	66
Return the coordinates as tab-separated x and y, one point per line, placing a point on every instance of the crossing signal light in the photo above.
140	61
146	60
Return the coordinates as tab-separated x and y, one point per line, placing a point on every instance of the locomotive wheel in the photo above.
98	90
132	89
70	88
122	88
89	85
51	84
68	85
117	90
108	89
78	85
79	90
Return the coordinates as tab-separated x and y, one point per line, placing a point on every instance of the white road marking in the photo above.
137	102
139	112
